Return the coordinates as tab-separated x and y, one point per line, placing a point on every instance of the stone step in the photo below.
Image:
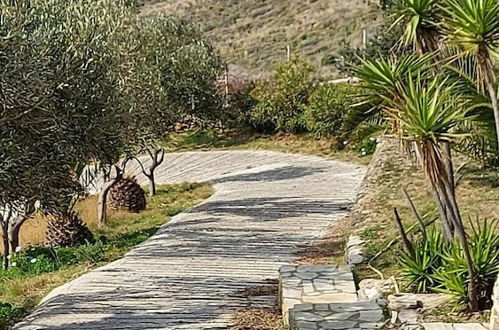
336	316
314	284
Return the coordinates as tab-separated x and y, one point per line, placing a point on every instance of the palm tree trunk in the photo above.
488	71
451	201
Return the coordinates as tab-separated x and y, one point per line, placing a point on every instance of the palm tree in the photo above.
421	20
383	80
428	117
473	25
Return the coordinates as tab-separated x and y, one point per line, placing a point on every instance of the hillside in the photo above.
255	33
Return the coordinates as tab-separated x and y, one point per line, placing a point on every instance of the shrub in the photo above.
240	107
441	267
283	98
484	250
8	314
419	268
328	106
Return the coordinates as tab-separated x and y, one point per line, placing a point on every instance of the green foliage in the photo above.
472	24
440	266
9	314
421	19
327	108
283	98
419	268
240	106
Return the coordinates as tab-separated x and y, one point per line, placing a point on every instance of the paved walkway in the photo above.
188	275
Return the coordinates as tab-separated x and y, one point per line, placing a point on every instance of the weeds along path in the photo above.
191	274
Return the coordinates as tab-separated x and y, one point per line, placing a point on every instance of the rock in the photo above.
429	301
400	301
374	290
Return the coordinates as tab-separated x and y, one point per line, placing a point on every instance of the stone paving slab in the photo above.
300	284
336	316
454	326
188	275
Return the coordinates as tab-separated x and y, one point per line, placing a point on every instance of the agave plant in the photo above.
473	25
420	267
421	24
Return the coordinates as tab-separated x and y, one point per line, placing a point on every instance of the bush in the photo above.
240	108
9	314
441	267
420	267
327	109
283	98
484	250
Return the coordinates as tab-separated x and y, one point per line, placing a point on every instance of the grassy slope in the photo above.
255	34
123	231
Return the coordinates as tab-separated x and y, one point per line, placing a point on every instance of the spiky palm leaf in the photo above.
421	20
472	24
428	114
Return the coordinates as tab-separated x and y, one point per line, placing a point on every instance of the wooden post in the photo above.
288	51
364	38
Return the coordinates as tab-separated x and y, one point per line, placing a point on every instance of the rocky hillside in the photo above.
255	33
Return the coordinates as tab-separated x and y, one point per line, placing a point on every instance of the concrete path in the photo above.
190	274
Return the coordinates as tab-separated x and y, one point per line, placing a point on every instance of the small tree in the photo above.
175	76
62	62
428	115
473	25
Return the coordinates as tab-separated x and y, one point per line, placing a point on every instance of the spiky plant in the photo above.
67	229
127	194
428	116
473	25
421	30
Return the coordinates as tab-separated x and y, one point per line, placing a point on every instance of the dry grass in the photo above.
258	319
255	34
300	144
477	193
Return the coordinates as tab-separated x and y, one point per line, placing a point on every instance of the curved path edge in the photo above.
191	273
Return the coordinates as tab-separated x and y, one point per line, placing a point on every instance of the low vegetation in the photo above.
37	269
255	34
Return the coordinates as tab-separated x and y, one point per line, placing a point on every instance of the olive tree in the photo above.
176	71
62	65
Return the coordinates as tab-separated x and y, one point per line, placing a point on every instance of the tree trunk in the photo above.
495	107
487	69
6	245
407	244
13	236
461	235
152	183
102	202
157	157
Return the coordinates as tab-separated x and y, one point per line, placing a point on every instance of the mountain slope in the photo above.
255	33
